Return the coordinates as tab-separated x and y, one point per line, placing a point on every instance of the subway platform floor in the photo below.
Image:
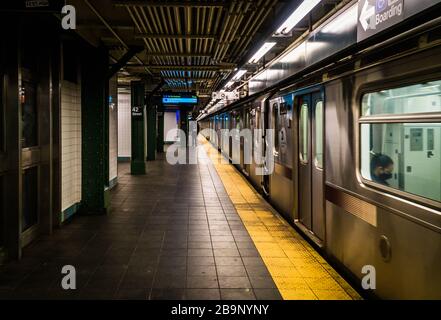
179	232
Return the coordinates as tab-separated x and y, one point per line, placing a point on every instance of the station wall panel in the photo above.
113	131
70	148
124	126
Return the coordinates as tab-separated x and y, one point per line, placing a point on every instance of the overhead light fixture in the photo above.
229	84
305	7
262	51
239	74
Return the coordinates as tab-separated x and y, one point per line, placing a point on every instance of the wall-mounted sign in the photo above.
225	95
377	15
33	5
179	99
138	112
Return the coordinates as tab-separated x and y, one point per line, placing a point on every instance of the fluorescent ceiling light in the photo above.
305	7
239	74
229	84
262	51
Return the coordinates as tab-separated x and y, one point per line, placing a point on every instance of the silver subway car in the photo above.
357	159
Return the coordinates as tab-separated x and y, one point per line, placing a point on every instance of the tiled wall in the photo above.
113	131
70	145
124	126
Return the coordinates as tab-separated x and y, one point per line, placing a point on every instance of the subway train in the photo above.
356	153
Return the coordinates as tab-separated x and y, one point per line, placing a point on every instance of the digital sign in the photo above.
177	99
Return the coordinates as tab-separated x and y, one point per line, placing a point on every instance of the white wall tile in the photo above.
70	144
113	129
124	125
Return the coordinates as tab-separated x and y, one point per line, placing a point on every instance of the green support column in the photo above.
137	165
151	131
95	131
160	144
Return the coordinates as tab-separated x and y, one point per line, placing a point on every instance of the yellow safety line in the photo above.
298	271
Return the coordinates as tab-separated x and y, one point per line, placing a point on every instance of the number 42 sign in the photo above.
137	111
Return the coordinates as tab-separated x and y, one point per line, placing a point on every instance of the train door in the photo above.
310	184
267	145
244	142
236	126
218	131
231	124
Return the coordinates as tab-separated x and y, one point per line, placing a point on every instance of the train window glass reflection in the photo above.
403	156
419	98
319	134
304	133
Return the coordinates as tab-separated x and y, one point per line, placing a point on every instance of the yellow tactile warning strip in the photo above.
296	268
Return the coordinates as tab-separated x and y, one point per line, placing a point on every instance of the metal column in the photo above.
95	131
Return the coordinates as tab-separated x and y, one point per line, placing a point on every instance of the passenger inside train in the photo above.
382	167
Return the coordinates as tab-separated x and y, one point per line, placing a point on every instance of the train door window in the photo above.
319	134
276	118
403	153
238	125
304	133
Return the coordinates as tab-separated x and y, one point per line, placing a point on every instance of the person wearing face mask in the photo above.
382	167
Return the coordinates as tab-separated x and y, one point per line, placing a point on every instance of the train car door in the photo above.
267	145
244	142
310	184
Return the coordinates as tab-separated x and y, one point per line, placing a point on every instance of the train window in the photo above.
319	134
304	133
403	156
284	108
276	117
419	98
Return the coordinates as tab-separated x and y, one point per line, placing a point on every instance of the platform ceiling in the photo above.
187	45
